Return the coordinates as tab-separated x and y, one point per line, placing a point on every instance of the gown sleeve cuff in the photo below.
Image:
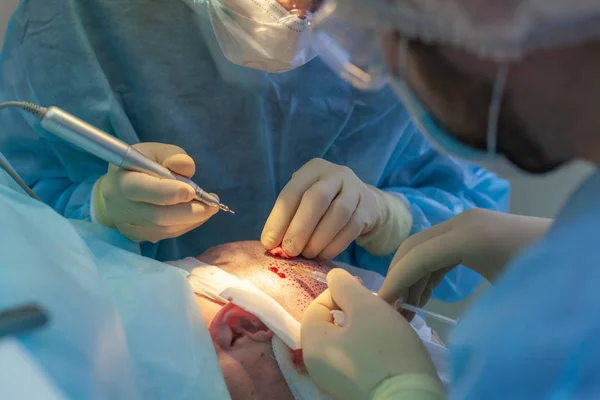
409	387
93	214
393	227
98	207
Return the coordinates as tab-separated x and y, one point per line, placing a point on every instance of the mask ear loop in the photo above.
403	59
496	107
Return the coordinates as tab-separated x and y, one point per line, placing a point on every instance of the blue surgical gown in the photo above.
536	334
152	71
121	326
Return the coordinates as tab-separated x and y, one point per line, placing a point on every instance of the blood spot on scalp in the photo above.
279	252
275	270
298	361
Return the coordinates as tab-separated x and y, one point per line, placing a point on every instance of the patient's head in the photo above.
242	341
274	276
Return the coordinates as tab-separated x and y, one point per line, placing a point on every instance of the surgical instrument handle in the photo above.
113	150
21	320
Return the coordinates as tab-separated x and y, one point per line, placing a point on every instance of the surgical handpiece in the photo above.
109	148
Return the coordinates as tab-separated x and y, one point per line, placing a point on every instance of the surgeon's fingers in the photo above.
179	214
416	291
317	320
285	208
429	256
315	203
414	296
434	281
348	293
181	164
138	229
419	238
333	222
140	187
408	245
341	242
154	234
168	155
421	292
347	235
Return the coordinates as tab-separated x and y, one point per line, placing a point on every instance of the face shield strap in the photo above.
403	57
17	178
496	108
399	76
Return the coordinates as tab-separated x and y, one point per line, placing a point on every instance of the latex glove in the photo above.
482	240
375	344
146	208
325	207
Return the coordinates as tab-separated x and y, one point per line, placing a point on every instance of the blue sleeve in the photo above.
437	188
65	186
61	175
535	335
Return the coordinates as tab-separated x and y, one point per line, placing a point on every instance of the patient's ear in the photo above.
233	323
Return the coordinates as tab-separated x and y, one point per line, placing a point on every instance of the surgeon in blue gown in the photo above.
159	71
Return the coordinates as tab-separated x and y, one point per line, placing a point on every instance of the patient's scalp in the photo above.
273	275
284	269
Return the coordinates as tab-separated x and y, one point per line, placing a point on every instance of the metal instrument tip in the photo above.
223	207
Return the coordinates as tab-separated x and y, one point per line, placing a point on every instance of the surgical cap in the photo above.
502	30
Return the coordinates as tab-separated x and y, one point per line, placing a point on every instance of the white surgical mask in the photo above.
259	34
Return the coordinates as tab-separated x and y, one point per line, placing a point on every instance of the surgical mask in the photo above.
260	34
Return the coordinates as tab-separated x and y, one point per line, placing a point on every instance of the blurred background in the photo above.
540	197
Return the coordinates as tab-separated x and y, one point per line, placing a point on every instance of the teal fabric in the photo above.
122	326
535	335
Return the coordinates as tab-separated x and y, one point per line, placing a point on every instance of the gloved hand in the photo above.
146	208
376	343
481	240
325	207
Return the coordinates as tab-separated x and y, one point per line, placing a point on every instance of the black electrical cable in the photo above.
39	112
